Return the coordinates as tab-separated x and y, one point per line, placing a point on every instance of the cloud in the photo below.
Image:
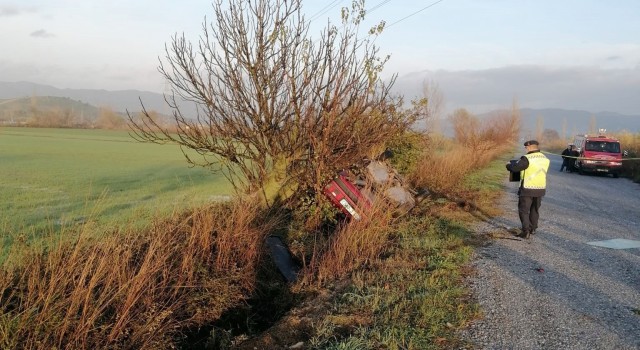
41	33
6	11
584	88
80	76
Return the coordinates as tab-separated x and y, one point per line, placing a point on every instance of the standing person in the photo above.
574	154
533	168
566	162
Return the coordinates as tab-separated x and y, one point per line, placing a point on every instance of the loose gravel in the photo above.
555	291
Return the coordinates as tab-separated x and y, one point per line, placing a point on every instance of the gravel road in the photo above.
555	291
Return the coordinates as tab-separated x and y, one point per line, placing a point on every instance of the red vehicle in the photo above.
347	197
354	195
598	154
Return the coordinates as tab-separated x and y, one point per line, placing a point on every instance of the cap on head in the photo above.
531	142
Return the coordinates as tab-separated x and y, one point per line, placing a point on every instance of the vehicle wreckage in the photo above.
354	193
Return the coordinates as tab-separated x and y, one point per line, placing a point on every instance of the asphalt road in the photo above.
555	291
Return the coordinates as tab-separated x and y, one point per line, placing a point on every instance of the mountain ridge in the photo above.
121	101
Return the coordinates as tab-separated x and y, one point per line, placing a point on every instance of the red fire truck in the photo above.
598	154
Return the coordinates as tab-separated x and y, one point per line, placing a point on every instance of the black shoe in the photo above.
526	234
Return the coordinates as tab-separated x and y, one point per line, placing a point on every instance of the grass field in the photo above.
50	178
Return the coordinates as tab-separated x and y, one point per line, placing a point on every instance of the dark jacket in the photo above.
574	153
565	153
522	164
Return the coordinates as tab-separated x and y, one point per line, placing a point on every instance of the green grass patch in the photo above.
488	179
414	299
50	178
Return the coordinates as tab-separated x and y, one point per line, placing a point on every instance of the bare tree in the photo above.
466	127
276	110
109	119
539	126
549	136
433	102
592	124
496	130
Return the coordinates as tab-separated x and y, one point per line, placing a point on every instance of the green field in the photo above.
52	178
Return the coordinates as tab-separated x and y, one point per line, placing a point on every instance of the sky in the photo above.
482	54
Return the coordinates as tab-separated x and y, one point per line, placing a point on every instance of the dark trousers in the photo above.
528	211
565	165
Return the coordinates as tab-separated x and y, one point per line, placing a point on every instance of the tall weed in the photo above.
130	289
354	244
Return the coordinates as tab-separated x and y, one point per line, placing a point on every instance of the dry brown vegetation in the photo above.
130	290
109	119
142	289
631	164
353	244
442	167
59	112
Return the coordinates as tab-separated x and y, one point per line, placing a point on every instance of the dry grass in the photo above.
631	143
130	290
354	244
555	146
447	162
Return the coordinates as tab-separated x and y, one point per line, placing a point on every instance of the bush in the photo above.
631	143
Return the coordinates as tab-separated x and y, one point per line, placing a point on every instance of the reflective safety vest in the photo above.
535	176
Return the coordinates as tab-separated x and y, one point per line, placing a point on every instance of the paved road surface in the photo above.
556	291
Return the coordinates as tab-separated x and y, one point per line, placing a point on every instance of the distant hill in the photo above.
16	98
119	101
20	110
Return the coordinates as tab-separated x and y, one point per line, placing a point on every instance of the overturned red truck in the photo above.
354	195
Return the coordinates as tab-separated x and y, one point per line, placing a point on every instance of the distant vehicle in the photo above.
598	154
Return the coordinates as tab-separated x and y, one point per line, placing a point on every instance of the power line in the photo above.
422	9
377	6
325	9
335	3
